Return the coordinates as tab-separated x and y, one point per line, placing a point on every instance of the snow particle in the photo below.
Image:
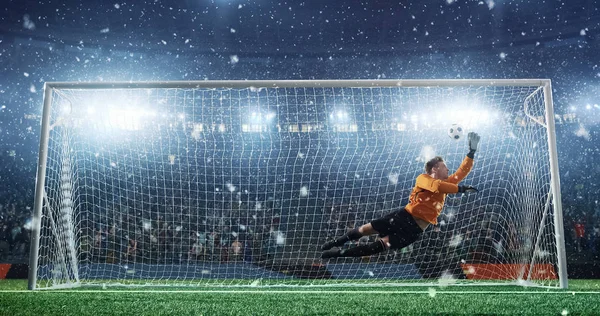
393	178
431	292
27	23
303	191
583	132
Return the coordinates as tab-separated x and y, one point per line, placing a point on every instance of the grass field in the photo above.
582	298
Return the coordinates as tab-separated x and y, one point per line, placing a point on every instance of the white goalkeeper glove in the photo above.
473	144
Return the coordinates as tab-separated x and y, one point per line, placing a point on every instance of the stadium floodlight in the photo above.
339	116
125	119
270	116
168	205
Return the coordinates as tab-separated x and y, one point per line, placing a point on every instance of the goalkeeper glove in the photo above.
466	189
473	144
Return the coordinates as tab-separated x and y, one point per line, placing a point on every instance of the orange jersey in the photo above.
427	197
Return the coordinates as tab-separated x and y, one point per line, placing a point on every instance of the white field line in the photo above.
301	292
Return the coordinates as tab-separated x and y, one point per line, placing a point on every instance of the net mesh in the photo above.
231	187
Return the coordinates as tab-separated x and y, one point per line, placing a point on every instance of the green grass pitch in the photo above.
582	298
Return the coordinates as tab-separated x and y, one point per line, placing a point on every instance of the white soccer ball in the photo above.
455	131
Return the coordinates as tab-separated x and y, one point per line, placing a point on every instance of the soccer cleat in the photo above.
332	253
328	245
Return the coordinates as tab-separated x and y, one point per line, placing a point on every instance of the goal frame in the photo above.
545	84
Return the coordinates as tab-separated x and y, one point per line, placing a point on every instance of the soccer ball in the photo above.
455	131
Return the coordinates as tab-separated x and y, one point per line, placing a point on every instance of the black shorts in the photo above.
400	227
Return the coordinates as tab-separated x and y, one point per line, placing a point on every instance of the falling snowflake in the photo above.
27	23
234	59
456	240
230	187
303	191
583	132
446	279
393	178
280	239
431	292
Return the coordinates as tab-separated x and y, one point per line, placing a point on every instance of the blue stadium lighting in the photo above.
270	116
125	119
66	108
261	118
339	116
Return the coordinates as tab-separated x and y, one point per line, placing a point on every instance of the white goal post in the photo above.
238	183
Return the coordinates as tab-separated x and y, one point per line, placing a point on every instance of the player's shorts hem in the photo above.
400	227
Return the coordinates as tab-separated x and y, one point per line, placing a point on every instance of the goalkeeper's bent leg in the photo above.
351	235
360	251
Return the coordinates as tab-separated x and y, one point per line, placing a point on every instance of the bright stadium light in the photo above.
339	116
261	117
270	116
66	108
471	117
258	121
125	119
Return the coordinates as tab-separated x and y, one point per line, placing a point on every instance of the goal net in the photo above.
239	183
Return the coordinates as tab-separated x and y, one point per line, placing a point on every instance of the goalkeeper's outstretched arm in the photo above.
403	227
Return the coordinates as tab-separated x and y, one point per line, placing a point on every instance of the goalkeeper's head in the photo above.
436	168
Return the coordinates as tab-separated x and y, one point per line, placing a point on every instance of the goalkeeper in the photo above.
403	227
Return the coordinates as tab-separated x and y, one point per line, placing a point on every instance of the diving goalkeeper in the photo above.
403	227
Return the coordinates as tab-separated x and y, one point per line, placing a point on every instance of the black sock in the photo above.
365	250
351	235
